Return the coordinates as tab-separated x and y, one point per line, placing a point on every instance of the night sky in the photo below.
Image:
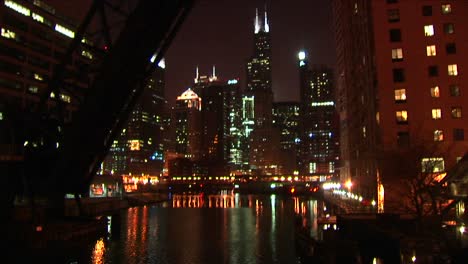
220	32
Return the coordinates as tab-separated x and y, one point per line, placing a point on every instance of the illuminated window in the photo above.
134	144
449	28
397	54
395	35
18	8
393	15
434	164
436	113
65	31
431	50
8	34
446	9
312	167
454	90
435	91
400	95
438	135
38	17
87	54
428	30
456	112
38	77
402	116
452	70
33	89
65	98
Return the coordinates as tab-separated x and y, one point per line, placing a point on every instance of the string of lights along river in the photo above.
199	228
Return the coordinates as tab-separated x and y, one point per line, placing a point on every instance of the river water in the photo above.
196	228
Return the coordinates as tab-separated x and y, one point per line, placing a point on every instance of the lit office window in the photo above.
38	17
456	112
397	54
435	92
433	164
452	70
65	31
6	33
312	167
438	135
18	8
431	50
400	95
402	116
446	9
436	113
428	30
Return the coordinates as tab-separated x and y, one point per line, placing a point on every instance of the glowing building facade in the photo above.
318	121
186	123
401	84
262	138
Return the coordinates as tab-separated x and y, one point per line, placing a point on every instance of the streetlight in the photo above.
348	185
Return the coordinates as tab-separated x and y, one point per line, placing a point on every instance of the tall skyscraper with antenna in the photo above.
259	72
261	141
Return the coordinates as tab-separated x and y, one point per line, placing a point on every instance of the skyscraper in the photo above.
140	147
186	123
263	142
318	121
286	117
400	82
220	123
259	73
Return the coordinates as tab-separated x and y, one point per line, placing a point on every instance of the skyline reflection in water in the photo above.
215	228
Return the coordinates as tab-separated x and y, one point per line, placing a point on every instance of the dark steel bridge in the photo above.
53	151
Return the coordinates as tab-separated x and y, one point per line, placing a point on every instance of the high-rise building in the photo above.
139	149
318	121
286	118
259	73
263	139
400	86
186	123
33	40
220	123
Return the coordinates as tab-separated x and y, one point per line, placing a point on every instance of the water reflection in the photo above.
216	228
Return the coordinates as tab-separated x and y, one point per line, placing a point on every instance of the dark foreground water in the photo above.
204	229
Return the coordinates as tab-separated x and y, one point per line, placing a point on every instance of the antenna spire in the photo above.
257	21
266	27
196	75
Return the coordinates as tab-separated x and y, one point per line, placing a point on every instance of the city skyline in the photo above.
302	26
220	33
